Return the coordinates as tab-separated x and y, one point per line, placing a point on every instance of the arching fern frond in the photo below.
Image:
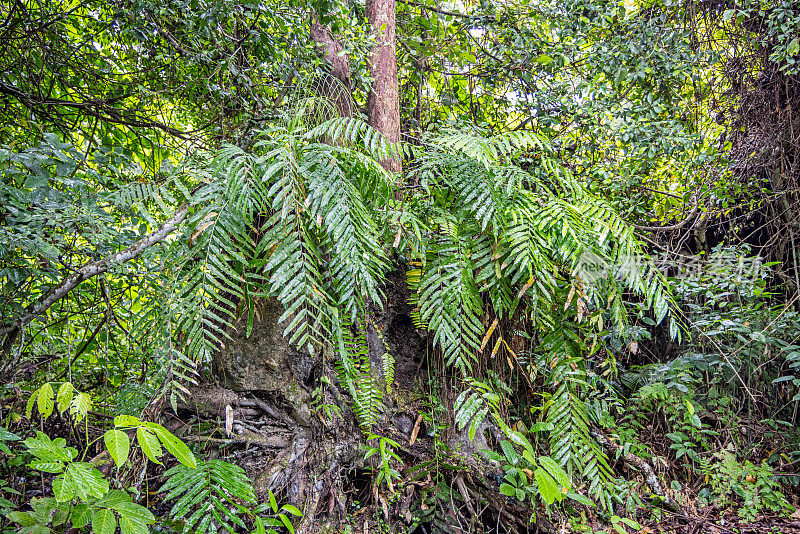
449	302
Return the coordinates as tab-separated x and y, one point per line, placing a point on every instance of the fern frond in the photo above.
571	442
207	497
355	374
449	301
473	405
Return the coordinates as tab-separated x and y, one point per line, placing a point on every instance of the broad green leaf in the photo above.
175	446
119	445
794	47
557	472
286	523
125	421
134	513
113	498
259	526
80	406
43	508
47	467
21	518
31	402
104	522
60	517
63	489
292	510
45	399
548	488
130	526
86	480
5	435
507	489
64	396
149	444
81	515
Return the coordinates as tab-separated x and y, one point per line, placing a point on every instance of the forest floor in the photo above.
711	521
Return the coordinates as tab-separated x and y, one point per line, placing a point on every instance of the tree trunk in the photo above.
337	86
383	104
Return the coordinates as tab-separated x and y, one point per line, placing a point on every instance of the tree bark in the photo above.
340	70
383	103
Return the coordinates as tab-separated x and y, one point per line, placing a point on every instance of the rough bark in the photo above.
283	417
339	88
383	103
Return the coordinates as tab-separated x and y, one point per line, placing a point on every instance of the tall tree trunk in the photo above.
383	104
339	65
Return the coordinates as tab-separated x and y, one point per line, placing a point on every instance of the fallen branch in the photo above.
650	477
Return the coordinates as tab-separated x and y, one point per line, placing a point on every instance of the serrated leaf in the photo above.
47	467
113	498
81	515
135	512
119	445
129	526
64	396
60	517
43	509
86	480
149	444
45	400
21	518
80	406
104	522
63	489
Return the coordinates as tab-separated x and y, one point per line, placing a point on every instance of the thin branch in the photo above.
91	269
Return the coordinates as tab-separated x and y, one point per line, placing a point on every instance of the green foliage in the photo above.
552	125
97	505
528	476
754	487
473	404
384	448
571	442
219	495
66	399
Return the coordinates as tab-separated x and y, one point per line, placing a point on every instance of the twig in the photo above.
92	269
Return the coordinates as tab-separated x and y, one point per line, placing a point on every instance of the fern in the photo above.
571	442
355	374
473	405
449	303
214	495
